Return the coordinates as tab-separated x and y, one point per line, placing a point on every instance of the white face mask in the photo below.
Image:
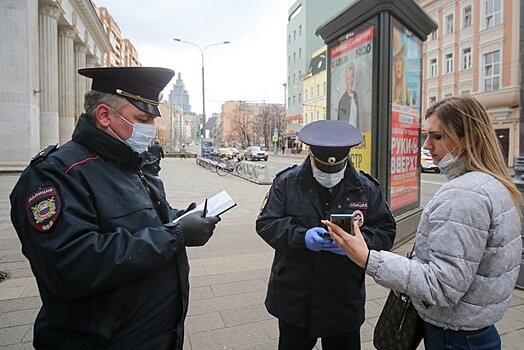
328	180
141	137
447	162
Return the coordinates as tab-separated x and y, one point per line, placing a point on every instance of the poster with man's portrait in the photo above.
351	82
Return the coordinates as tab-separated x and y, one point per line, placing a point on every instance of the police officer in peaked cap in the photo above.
94	222
314	290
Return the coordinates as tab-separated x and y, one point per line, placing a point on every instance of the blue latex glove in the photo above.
313	239
332	247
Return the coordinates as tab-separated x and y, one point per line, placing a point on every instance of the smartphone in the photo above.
345	221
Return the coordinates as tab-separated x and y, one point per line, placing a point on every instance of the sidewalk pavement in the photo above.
228	275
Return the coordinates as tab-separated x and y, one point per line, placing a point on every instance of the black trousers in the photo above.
295	338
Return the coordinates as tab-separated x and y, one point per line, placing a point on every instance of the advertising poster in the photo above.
405	118
351	88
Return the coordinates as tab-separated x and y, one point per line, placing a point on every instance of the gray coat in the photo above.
467	255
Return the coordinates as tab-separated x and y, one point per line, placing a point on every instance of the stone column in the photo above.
48	42
90	63
66	82
80	81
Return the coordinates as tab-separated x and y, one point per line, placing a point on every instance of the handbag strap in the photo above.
410	254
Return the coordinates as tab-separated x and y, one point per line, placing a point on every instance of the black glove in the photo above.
196	229
189	208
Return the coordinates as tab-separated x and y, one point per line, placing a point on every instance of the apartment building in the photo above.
123	53
475	51
304	16
315	87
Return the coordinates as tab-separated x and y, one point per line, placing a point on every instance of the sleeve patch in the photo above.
43	208
264	202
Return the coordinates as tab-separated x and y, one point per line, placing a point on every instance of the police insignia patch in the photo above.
264	202
43	208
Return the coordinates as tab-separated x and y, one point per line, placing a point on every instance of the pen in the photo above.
205	209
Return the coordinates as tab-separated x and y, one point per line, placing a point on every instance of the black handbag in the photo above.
399	326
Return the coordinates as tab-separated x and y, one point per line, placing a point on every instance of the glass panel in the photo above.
405	119
351	87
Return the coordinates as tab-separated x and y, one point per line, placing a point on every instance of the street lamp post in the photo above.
202	50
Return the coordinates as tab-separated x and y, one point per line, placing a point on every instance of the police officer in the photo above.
314	290
97	229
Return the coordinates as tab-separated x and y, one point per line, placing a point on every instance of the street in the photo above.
228	275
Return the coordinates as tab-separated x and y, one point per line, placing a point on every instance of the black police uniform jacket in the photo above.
92	222
319	291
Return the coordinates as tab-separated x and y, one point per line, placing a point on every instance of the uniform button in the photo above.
158	203
327	204
339	206
347	199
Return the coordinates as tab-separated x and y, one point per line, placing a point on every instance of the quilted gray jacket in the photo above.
467	255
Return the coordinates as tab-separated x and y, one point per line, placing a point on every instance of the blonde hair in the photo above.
465	122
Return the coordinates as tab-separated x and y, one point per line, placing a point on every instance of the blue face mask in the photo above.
141	137
328	180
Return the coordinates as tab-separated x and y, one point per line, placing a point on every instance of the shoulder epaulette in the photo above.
369	177
283	171
43	153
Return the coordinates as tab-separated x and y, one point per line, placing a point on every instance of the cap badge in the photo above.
139	98
331	160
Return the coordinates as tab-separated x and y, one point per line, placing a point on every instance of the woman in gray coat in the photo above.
468	245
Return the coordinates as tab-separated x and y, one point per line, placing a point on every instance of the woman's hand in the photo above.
355	246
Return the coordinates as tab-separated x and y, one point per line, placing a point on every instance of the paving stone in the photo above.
246	314
217	304
13	335
196	293
238	287
19	346
20	304
18	318
204	322
210	280
262	273
230	337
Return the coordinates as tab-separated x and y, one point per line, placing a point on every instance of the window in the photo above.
299	97
466	17
466	92
294	56
448	61
289	59
466	58
324	88
300	30
448	95
294	34
294	100
294	78
434	35
312	92
305	95
492	71
449	24
433	68
318	90
299	53
289	39
493	13
432	99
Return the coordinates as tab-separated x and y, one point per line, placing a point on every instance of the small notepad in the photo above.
216	205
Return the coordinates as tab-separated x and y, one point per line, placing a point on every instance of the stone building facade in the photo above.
44	42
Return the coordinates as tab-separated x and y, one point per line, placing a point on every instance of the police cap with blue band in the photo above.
141	86
329	142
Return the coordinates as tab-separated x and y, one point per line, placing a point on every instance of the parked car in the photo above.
235	151
225	152
255	153
426	162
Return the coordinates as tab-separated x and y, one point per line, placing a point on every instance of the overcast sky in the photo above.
252	67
